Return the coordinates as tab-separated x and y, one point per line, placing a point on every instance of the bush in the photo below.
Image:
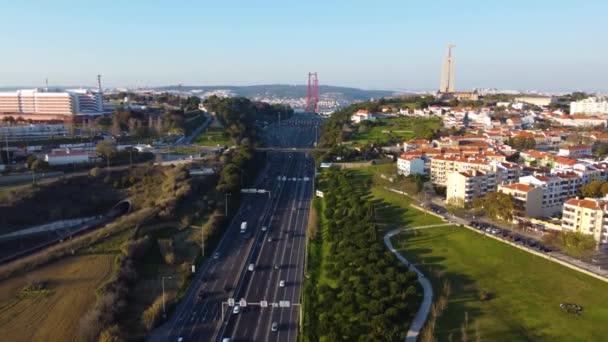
95	172
153	315
111	334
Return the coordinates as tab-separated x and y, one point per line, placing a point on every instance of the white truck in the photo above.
243	227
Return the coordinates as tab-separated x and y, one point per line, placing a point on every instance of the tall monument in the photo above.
447	72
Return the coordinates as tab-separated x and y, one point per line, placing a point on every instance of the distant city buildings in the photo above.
591	105
46	105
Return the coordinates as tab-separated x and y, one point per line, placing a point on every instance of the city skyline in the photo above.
390	46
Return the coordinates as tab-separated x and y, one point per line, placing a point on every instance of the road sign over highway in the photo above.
243	302
230	301
263	304
284	304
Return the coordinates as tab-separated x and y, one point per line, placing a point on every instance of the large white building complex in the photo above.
42	105
591	105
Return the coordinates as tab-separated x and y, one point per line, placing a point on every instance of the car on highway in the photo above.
227	339
274	327
264	228
276	267
251	267
236	309
216	255
282	283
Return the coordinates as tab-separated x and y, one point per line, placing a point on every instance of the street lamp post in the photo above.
163	282
226	202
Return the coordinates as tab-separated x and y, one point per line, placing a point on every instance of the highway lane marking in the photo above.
249	285
289	225
287	165
294	287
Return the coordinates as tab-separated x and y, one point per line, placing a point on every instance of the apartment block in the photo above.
527	198
588	216
464	186
578	151
410	165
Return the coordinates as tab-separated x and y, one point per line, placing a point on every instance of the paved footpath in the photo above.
425	307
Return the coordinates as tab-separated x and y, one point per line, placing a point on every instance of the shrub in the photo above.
153	315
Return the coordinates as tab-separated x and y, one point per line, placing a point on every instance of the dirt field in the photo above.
55	315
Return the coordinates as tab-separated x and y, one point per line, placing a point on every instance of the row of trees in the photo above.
369	295
238	115
596	188
522	143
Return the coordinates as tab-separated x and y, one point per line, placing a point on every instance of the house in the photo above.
415	144
577	151
410	165
362	115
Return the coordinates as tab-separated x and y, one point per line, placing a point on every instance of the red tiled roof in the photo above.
519	187
583	203
565	161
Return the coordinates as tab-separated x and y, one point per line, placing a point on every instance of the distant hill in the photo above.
288	91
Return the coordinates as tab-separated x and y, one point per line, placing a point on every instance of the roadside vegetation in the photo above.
160	237
499	293
357	289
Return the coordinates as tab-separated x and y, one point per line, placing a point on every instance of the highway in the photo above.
204	314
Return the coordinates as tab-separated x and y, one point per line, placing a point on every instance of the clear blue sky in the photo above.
382	44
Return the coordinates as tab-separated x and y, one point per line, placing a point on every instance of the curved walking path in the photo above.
425	307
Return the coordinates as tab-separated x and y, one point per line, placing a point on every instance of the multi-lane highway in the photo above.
276	251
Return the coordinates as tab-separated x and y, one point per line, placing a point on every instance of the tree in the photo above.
39	165
496	205
106	149
593	189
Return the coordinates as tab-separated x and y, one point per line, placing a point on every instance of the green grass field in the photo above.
525	290
393	129
213	136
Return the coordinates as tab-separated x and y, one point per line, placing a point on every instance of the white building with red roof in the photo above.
362	115
410	165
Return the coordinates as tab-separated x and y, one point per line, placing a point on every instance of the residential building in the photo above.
579	120
527	198
591	105
588	216
362	115
553	194
410	165
464	186
415	144
577	151
541	101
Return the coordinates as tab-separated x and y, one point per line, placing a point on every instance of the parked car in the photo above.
236	309
274	327
282	283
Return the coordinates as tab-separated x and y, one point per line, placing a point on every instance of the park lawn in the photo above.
56	314
399	129
393	210
525	290
213	136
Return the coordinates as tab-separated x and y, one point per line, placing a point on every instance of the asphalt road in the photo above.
289	178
